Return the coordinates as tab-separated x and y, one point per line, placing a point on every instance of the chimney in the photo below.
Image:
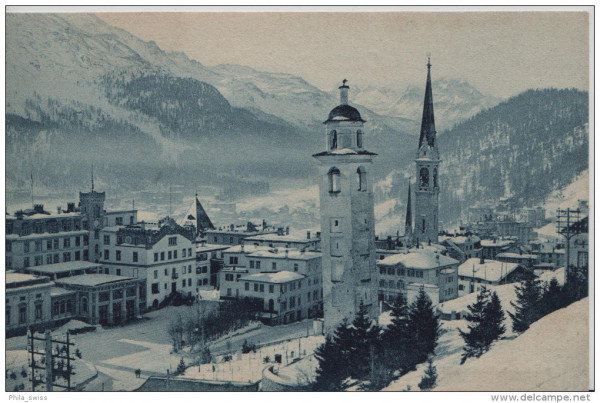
287	230
70	207
389	242
481	259
19	214
38	208
58	209
307	234
231	227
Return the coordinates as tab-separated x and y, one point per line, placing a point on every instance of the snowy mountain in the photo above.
522	149
72	77
455	100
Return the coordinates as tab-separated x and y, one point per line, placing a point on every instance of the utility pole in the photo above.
564	219
49	356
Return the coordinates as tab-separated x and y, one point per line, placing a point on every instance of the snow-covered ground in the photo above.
568	196
249	367
551	355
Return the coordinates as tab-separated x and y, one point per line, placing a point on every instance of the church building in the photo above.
347	217
427	188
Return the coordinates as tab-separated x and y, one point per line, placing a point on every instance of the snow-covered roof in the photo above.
280	253
548	275
208	247
280	238
275	277
15	278
58	291
417	260
498	242
93	280
38	216
64	267
516	255
460	239
490	270
246	248
46	235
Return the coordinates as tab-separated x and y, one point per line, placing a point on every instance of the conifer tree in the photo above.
527	307
475	337
333	359
494	319
429	380
398	339
424	325
363	345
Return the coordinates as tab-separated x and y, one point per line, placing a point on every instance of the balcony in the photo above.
174	276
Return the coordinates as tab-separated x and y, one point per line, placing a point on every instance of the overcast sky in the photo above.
500	53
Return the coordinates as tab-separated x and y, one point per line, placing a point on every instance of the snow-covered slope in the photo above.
552	355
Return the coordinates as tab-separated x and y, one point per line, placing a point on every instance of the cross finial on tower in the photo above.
428	60
344	81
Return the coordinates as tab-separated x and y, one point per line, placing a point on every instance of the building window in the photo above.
118	272
262	288
135	256
106	254
67	242
190	252
56	258
106	239
424	177
26	247
230	239
155	288
258	264
435	177
183	253
175	254
162	256
118	255
255	287
172	241
22	314
233	260
252	264
274	265
359	139
582	259
247	286
334	180
170	255
156	256
333	138
362	179
77	255
119	221
295	266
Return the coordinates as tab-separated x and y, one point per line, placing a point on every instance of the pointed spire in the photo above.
428	122
408	224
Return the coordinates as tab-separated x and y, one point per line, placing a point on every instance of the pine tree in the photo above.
424	325
527	307
364	343
475	338
333	360
429	380
398	339
494	318
486	319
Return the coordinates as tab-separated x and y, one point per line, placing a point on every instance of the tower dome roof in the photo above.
344	112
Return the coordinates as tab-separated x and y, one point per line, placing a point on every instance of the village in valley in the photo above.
199	298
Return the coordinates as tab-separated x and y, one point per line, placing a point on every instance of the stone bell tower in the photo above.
347	217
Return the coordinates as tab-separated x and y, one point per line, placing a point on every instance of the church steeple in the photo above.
428	122
408	222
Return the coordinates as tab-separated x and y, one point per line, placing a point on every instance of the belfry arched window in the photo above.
362	179
424	177
359	139
333	139
435	174
334	180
